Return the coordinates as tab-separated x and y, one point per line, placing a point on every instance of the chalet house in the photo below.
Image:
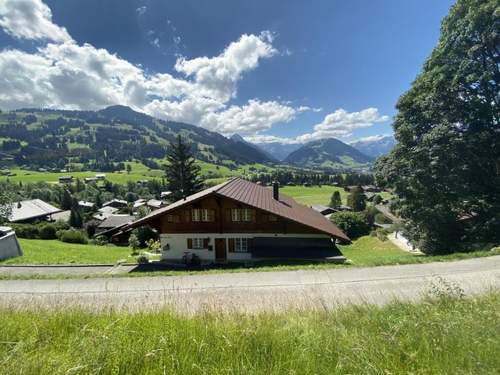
31	210
240	221
116	203
112	226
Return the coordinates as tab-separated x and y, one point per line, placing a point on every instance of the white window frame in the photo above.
235	214
246	214
195	214
204	215
241	214
241	245
197	243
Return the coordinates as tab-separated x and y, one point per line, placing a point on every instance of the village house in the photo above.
240	221
31	210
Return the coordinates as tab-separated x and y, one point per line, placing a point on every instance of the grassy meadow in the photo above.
313	194
441	335
57	252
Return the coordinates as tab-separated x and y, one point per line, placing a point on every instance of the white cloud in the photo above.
217	76
341	124
371	138
261	138
141	10
30	19
251	118
72	76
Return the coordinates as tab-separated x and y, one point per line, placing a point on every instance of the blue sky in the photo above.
292	71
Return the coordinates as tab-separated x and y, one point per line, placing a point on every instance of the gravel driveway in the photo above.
254	291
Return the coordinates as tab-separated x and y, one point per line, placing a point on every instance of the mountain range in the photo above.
376	146
328	153
97	140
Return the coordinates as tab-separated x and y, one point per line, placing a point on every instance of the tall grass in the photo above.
444	336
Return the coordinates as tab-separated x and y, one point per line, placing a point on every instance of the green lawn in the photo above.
447	335
314	194
57	252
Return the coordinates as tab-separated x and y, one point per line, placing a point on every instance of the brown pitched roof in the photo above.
261	198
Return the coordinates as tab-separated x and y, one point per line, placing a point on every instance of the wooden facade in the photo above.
221	221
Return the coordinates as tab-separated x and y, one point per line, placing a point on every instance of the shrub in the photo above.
26	230
133	242
73	236
153	245
48	232
101	240
144	234
142	259
353	224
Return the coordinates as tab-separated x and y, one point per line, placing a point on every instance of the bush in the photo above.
144	234
142	259
73	236
101	240
26	230
354	224
48	232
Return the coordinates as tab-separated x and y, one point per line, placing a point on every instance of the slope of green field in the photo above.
444	334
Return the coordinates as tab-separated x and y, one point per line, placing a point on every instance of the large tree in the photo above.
446	164
182	172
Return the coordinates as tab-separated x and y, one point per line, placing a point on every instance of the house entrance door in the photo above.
220	250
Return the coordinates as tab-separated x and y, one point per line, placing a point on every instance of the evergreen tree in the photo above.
66	200
335	201
357	199
75	217
183	175
446	163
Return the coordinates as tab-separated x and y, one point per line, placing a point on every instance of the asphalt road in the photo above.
255	291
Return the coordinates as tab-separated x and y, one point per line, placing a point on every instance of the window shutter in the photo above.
230	244
187	216
252	215
250	244
228	214
190	243
205	243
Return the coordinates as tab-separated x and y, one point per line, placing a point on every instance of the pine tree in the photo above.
66	200
75	217
183	175
335	201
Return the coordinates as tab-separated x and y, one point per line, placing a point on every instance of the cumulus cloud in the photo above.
371	138
252	118
30	19
261	138
64	74
341	124
218	76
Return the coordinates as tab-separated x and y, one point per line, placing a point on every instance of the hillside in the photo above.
279	150
240	140
328	153
375	147
99	139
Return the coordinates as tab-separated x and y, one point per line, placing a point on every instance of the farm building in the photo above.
31	210
239	221
323	210
116	203
111	228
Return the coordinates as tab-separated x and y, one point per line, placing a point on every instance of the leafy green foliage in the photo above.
354	224
446	164
73	236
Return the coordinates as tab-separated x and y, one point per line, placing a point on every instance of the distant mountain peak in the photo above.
375	146
329	153
238	138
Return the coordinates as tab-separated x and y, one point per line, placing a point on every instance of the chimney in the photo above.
276	190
